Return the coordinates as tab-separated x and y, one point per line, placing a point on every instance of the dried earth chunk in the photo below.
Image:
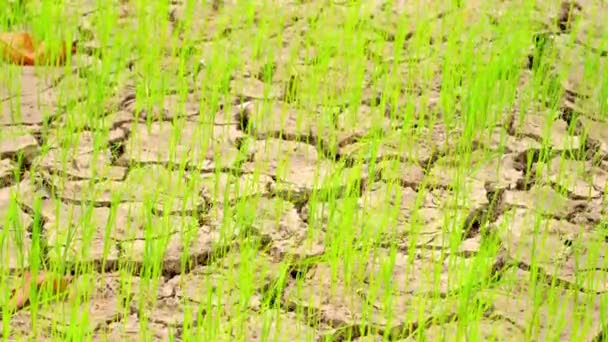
581	179
77	233
96	299
131	328
17	140
481	167
364	121
174	251
273	325
358	293
569	252
482	330
231	283
248	88
544	200
277	223
172	106
204	146
227	188
546	312
279	119
83	155
596	131
408	174
164	190
405	145
294	165
29	98
7	172
544	128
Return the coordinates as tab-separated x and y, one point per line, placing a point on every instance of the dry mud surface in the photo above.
134	169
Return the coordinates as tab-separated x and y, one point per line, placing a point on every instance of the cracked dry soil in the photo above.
137	186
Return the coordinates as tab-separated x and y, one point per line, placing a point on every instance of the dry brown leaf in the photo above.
21	296
19	48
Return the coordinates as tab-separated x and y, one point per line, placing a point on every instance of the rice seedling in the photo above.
303	170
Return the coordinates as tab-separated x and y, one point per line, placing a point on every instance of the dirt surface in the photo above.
250	169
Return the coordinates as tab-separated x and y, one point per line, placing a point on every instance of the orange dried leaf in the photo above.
19	48
21	296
